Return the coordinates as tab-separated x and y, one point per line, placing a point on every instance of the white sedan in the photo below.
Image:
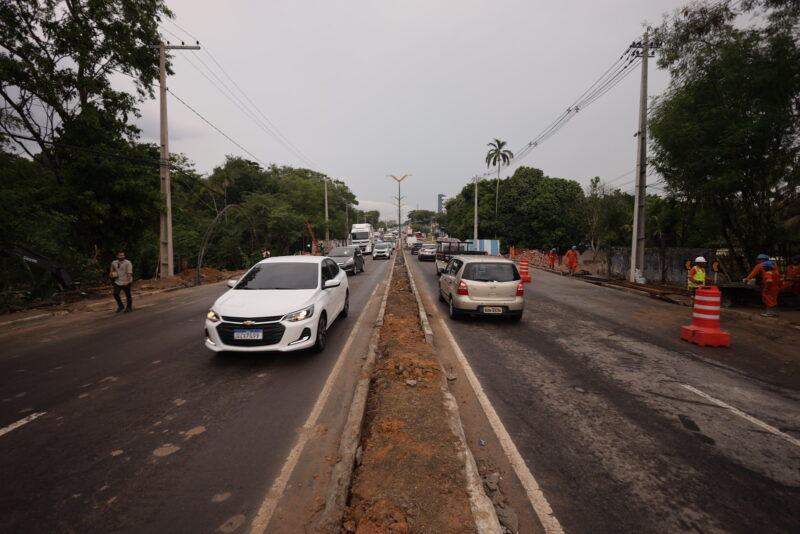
281	304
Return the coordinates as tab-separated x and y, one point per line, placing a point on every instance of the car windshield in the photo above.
281	276
490	272
429	247
360	235
342	251
381	245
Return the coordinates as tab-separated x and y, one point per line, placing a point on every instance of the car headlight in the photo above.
299	315
212	316
349	261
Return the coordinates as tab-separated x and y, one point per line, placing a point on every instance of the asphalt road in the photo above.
143	429
620	421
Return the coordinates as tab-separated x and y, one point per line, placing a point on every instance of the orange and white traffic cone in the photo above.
523	271
704	330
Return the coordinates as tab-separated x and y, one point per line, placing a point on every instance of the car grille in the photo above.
273	332
254	319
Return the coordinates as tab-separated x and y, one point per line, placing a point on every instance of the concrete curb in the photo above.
483	511
423	316
342	472
768	321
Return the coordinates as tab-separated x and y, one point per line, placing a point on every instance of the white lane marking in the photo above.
23	421
535	494
267	508
758	422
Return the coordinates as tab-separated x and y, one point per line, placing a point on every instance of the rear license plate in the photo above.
248	334
492	309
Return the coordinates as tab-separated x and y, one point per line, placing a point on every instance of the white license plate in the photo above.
248	334
492	309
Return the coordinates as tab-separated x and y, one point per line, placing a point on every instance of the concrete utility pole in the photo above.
399	198
475	221
638	239
327	232
166	267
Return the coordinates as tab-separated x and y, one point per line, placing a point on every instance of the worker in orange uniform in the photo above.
791	277
571	257
757	271
771	286
697	274
552	256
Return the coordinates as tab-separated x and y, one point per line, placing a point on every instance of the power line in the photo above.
229	138
264	122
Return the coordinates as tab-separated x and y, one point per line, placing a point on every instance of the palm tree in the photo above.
497	157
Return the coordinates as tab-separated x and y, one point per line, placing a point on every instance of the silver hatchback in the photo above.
482	285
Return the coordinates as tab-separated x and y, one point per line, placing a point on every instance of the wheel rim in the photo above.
347	303
452	309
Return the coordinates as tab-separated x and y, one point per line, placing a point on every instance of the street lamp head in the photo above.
398	180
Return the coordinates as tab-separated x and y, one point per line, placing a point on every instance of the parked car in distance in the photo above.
427	252
415	247
349	259
281	304
482	285
381	250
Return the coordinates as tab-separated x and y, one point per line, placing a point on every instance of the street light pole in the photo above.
475	221
327	231
399	198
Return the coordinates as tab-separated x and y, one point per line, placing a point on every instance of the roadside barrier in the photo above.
704	330
523	271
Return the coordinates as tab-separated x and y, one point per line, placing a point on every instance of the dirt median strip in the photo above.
414	472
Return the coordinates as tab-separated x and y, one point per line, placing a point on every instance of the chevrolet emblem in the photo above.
248	323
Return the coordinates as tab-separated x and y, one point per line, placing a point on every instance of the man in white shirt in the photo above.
122	274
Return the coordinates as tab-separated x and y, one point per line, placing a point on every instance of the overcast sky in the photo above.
374	87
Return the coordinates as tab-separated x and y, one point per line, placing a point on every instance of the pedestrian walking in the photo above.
697	274
758	270
571	257
122	275
770	287
552	256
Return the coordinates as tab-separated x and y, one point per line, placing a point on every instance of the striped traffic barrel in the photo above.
704	329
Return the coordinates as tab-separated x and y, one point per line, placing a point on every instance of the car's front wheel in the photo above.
322	334
346	307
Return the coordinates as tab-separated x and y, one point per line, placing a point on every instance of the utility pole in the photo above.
166	266
327	232
475	221
638	239
399	198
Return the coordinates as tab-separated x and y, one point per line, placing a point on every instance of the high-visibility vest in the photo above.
697	277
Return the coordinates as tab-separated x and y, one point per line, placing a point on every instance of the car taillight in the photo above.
520	289
462	288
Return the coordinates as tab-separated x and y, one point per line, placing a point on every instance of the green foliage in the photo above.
726	135
536	211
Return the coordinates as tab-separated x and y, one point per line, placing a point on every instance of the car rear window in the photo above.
281	276
490	272
342	251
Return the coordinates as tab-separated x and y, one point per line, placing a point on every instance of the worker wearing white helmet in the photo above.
697	274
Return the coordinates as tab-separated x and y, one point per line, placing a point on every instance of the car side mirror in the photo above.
232	283
331	283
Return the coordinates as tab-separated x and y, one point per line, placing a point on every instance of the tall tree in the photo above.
497	156
726	134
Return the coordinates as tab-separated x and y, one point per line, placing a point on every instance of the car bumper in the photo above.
347	268
426	257
467	305
294	336
377	255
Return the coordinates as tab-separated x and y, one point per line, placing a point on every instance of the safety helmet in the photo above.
574	247
768	264
762	257
554	249
699	259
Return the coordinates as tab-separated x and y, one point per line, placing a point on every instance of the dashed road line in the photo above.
758	422
24	421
